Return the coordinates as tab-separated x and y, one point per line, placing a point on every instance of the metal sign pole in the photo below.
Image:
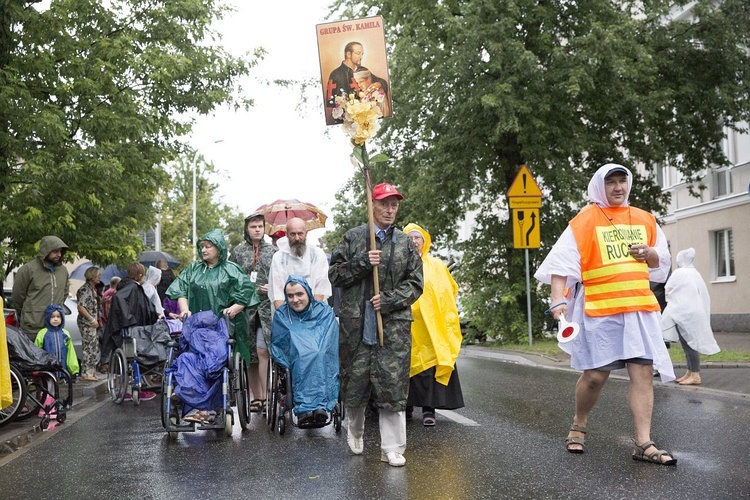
528	294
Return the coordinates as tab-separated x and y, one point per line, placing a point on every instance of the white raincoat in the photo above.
605	339
688	307
153	276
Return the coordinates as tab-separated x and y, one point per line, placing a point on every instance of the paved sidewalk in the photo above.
729	378
16	435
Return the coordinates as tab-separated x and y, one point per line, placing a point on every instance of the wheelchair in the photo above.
137	362
49	393
280	403
39	384
234	389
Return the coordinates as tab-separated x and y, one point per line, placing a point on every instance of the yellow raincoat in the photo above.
435	332
6	393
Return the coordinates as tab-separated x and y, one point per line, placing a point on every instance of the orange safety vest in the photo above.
614	282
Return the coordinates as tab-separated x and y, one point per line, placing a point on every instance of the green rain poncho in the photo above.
216	288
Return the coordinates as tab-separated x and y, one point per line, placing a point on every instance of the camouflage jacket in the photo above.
400	273
243	255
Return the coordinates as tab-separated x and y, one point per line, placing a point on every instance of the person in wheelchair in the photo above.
304	340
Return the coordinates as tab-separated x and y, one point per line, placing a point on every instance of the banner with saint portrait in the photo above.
353	59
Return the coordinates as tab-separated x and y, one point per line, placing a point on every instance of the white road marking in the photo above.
460	419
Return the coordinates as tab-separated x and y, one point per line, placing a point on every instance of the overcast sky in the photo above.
274	150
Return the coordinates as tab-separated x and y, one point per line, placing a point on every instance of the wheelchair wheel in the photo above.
243	401
165	379
136	395
271	394
34	396
228	422
282	425
66	390
18	390
336	419
117	376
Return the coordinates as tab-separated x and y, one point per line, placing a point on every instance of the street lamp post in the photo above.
195	200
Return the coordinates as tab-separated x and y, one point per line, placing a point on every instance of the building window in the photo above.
722	182
729	145
723	255
667	176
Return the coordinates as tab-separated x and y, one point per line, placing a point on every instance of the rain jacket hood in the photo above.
307	344
436	331
216	237
305	314
153	276
597	193
686	257
49	243
425	235
48	314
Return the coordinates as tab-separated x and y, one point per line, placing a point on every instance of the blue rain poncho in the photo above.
198	369
307	344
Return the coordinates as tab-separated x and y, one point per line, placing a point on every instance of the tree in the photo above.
480	88
176	208
94	98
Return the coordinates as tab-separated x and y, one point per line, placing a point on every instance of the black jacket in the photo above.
130	307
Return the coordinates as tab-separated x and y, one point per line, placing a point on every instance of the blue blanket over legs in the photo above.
198	369
307	344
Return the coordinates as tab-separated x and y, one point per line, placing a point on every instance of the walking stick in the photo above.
373	243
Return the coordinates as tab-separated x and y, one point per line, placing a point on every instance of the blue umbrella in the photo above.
107	273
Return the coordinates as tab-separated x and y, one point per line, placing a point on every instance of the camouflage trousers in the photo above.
90	347
382	372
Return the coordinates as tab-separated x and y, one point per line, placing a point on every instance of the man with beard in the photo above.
42	282
296	257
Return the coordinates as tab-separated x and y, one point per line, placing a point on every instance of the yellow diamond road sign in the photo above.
524	185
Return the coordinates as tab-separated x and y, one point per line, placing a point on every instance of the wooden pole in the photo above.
373	242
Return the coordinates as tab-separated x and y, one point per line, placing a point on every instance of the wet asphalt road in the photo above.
507	443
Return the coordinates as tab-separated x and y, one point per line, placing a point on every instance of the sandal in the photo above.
193	416
428	420
581	441
207	417
639	453
257	405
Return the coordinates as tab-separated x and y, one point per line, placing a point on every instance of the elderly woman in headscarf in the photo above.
599	272
435	336
687	317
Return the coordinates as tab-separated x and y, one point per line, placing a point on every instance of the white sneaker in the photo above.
356	445
393	458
